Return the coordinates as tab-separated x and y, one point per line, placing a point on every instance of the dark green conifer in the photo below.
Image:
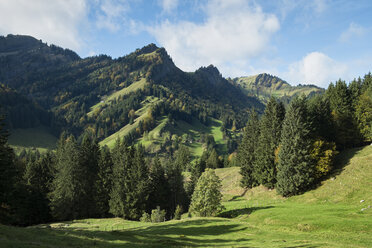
295	168
246	152
268	142
104	182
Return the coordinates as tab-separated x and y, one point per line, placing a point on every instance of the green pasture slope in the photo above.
335	214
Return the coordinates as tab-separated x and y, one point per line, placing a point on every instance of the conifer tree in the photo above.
159	187
104	182
89	156
8	175
213	160
121	158
295	168
68	187
175	180
137	186
246	151
268	142
347	133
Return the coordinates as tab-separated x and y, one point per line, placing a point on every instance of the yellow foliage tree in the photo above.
323	154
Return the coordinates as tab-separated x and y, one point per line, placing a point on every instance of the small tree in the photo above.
206	199
178	213
158	215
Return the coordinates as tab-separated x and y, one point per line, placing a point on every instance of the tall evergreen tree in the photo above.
122	159
347	133
137	186
213	160
175	180
295	168
268	142
8	176
159	187
67	198
246	151
104	182
89	156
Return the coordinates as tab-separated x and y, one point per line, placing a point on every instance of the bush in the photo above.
145	217
158	215
178	212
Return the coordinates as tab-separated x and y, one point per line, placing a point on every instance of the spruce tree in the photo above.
346	127
159	187
268	142
295	168
246	152
121	158
68	187
8	176
89	156
137	186
213	160
104	181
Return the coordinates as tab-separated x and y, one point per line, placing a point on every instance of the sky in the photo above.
301	41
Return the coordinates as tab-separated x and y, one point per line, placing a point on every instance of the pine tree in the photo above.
246	152
295	168
268	142
206	199
104	182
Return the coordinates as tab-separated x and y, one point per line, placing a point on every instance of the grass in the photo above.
328	216
39	138
140	113
140	84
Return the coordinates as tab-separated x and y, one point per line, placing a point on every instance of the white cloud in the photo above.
111	14
52	21
316	68
168	5
354	30
233	30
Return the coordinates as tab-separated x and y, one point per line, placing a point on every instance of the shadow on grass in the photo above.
193	233
241	211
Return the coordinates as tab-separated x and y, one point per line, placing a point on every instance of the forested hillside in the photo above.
124	97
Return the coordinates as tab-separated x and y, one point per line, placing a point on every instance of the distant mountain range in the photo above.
142	96
264	85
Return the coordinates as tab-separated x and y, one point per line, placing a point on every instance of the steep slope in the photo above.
265	85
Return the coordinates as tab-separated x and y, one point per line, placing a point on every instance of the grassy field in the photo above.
39	138
140	84
329	216
140	113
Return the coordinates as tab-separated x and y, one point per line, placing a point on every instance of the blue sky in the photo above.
301	41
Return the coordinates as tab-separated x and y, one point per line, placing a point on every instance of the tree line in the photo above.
292	149
83	180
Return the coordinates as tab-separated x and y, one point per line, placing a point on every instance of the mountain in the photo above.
264	85
142	96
